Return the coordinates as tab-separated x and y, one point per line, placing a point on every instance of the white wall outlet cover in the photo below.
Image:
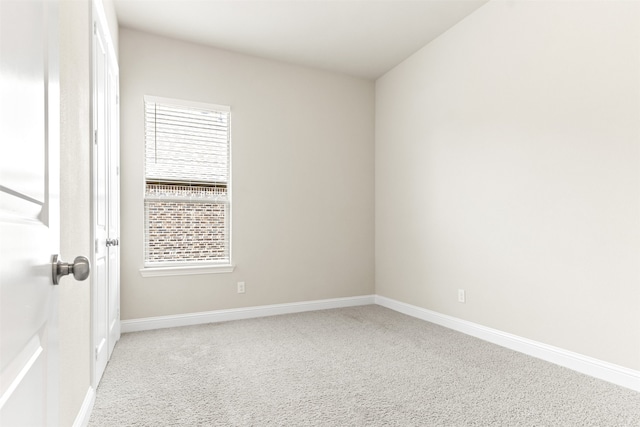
461	295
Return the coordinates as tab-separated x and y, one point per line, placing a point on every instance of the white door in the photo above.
100	192
29	212
106	206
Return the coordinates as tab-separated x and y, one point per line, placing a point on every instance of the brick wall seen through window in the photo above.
185	231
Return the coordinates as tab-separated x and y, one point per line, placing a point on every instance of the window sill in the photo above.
186	270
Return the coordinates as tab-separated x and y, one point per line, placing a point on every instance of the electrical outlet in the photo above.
461	296
241	287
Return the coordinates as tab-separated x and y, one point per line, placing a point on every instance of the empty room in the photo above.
321	213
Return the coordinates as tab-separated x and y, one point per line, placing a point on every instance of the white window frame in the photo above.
199	267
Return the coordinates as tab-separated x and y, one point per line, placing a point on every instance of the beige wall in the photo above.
302	173
507	164
75	205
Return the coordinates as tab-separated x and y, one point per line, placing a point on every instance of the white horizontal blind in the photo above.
186	144
187	203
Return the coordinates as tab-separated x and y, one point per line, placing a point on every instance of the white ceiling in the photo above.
364	38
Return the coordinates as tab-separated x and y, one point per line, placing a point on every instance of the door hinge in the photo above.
97	246
95	27
117	99
95	353
95	136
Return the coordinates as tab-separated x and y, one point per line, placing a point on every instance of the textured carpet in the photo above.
361	366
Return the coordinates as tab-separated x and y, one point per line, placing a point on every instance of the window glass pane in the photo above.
186	185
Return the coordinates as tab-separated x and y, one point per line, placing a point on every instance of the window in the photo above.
187	200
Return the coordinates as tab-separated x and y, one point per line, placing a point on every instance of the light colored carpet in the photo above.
361	366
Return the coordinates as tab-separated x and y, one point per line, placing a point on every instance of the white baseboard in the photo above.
82	419
615	374
135	325
606	371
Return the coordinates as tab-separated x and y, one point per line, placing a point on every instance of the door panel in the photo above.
113	208
23	62
29	211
